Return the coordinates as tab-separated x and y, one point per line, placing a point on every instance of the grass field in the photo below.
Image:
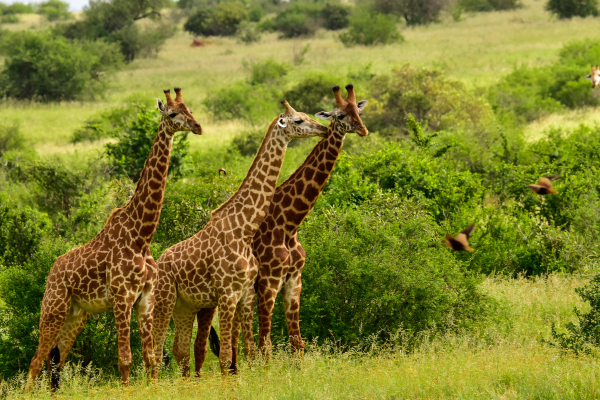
478	50
508	361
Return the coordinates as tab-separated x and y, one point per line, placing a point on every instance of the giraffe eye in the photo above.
298	122
342	116
173	115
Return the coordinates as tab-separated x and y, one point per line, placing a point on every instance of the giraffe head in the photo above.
176	114
299	125
347	111
594	76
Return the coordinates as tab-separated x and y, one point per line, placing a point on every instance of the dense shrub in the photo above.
572	8
267	71
247	143
435	101
415	12
583	337
489	5
378	269
221	20
11	138
298	19
312	94
54	10
248	32
366	28
128	154
43	67
254	104
335	16
16	8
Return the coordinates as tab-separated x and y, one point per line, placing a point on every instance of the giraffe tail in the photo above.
214	342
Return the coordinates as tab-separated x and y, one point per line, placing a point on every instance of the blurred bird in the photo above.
544	185
461	241
223	171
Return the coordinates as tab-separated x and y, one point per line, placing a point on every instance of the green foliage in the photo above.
248	32
414	12
127	156
54	10
267	71
583	337
11	138
241	100
40	66
312	94
9	19
16	8
247	143
335	16
370	29
298	19
435	101
221	20
490	5
115	22
379	269
573	8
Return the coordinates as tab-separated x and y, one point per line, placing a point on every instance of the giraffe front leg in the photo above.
205	318
227	309
291	302
246	313
266	302
75	322
165	297
235	340
144	308
184	324
122	306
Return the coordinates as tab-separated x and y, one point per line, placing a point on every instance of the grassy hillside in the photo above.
478	50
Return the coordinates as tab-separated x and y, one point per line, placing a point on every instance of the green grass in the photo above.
478	50
504	362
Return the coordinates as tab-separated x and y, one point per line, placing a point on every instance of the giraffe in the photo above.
115	270
594	76
275	244
216	267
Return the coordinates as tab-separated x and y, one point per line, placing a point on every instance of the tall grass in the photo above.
507	362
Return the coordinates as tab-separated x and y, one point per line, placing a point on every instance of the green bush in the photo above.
128	154
267	71
9	19
40	66
248	32
254	104
11	138
298	19
247	143
335	16
54	10
414	12
572	8
221	20
437	102
16	8
380	269
583	337
489	5
313	93
370	29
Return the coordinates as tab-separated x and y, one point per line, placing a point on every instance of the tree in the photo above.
221	20
572	8
415	12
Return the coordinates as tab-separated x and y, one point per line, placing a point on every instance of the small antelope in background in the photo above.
594	76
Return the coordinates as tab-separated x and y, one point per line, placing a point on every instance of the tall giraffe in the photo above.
216	267
115	270
276	246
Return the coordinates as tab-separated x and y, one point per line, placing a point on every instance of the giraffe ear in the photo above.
281	122
161	106
324	114
589	77
362	104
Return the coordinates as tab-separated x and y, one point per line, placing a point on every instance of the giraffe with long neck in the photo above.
115	270
276	246
216	267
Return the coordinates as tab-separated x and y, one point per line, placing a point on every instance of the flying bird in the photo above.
544	185
223	171
461	241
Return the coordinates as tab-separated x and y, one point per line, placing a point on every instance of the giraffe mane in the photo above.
260	149
113	214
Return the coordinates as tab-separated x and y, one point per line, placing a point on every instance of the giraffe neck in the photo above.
145	204
252	199
302	189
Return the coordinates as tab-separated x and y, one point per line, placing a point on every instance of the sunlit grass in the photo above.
506	362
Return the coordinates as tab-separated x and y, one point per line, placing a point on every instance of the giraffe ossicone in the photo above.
115	270
275	244
216	267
